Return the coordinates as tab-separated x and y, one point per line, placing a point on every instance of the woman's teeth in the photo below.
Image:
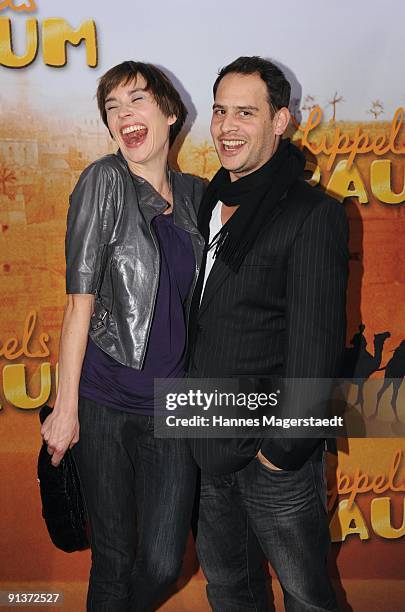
132	128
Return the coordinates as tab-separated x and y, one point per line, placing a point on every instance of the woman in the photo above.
133	255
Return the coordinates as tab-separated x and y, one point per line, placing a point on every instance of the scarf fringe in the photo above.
256	195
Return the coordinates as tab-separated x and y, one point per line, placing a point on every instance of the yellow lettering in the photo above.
380	179
381	519
340	145
380	484
347	521
361	144
10	349
316	173
57	32
396	126
15	388
340	182
344	143
7	56
393	473
314	120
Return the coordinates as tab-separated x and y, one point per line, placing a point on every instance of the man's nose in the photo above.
229	123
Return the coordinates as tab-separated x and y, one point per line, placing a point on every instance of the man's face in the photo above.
137	124
241	126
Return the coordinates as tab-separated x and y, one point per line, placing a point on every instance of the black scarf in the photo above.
256	194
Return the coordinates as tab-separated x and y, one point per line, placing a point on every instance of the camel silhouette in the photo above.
394	373
359	364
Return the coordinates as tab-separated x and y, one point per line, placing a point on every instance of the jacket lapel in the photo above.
220	271
217	276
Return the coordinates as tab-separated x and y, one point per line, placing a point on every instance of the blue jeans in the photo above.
139	492
283	514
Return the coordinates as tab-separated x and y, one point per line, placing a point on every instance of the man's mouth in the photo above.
134	135
232	146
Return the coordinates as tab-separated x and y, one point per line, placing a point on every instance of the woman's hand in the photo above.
60	431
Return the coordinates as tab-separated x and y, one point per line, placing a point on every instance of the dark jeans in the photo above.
139	493
281	512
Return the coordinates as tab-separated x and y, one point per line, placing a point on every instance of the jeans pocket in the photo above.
276	473
319	477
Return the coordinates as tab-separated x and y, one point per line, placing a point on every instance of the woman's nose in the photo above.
124	111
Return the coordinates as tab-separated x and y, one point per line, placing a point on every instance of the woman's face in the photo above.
138	125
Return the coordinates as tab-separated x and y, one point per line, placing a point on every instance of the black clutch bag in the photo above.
62	503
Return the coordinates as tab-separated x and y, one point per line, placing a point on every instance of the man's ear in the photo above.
171	119
281	121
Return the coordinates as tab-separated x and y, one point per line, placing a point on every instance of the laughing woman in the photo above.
133	255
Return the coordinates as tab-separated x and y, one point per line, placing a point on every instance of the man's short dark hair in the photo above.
166	95
278	88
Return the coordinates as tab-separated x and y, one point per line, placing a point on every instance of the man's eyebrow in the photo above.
247	107
130	93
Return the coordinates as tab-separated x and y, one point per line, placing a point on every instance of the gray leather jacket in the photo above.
113	252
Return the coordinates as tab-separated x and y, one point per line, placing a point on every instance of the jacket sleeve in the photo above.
316	314
86	229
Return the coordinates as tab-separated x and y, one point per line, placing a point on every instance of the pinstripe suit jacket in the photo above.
283	313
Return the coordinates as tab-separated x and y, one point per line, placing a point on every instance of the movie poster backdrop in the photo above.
345	66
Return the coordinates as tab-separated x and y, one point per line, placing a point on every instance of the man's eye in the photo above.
137	98
110	108
245	113
219	111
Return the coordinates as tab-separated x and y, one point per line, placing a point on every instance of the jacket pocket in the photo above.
102	320
98	318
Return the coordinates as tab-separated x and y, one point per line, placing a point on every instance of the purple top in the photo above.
110	383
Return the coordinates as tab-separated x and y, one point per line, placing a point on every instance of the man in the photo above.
271	302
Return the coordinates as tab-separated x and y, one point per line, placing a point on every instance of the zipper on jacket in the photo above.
196	275
145	346
101	272
111	271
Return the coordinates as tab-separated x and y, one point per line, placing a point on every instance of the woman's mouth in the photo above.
134	135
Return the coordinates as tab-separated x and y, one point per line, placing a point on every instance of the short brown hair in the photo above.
166	95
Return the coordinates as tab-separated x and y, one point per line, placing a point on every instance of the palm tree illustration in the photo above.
201	153
309	103
334	102
7	177
376	109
